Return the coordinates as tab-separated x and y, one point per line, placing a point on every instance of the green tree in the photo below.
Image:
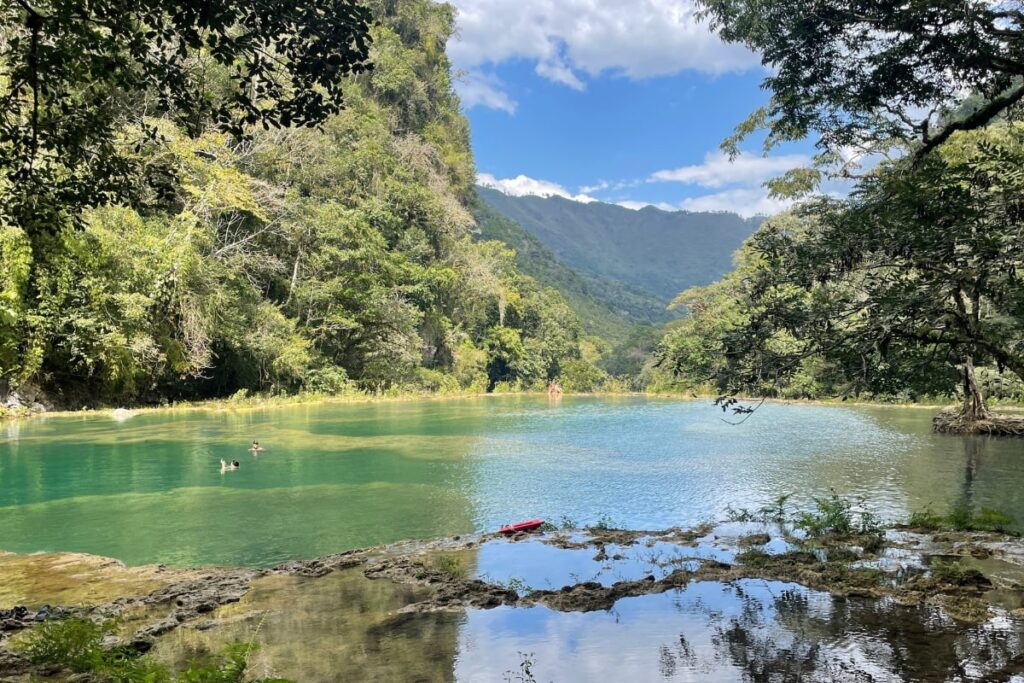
918	271
73	74
327	258
928	255
865	75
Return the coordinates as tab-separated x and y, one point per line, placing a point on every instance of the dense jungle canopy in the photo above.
900	287
208	198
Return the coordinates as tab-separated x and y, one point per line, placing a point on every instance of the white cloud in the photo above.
636	206
478	88
568	39
560	72
745	201
718	171
597	187
522	185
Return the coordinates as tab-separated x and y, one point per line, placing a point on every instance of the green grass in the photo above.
956	573
964	518
76	644
754	557
450	565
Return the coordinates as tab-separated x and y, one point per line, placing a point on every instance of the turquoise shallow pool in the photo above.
335	477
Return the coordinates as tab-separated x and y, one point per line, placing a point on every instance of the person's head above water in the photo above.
234	463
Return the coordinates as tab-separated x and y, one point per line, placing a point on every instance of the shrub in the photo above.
957	573
450	565
579	376
993	520
963	518
435	381
77	644
960	517
926	520
835	516
329	379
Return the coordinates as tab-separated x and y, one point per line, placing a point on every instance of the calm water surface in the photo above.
345	627
335	477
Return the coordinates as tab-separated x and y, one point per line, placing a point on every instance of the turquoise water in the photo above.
335	477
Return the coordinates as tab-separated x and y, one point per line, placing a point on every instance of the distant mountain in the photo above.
607	308
657	252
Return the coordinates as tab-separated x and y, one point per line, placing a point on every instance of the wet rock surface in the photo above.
956	572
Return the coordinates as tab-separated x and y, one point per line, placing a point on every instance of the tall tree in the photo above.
922	266
864	75
75	75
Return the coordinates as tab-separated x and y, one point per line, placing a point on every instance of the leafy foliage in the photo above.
837	516
867	76
77	644
884	293
964	518
77	77
284	259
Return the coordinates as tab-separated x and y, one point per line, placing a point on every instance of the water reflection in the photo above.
343	627
749	630
346	627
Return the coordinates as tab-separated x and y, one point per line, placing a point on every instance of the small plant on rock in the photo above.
837	516
604	523
525	672
956	573
926	520
450	565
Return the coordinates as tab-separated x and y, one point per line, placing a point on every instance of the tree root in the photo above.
954	421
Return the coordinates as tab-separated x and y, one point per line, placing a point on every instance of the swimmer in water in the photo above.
224	467
256	447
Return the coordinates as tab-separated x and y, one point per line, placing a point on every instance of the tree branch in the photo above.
977	119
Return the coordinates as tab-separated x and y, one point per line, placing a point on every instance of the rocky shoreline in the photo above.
906	567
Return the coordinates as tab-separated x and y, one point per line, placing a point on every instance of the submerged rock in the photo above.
445	576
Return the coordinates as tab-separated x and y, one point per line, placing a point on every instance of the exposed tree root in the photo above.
955	421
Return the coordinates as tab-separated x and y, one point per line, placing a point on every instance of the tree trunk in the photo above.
974	403
973	417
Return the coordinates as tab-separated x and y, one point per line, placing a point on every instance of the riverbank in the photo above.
305	399
246	402
387	594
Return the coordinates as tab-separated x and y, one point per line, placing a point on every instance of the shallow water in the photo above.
347	627
335	477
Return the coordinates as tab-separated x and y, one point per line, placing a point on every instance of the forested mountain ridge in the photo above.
287	259
656	251
607	308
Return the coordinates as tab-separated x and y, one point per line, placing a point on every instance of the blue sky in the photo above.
624	102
